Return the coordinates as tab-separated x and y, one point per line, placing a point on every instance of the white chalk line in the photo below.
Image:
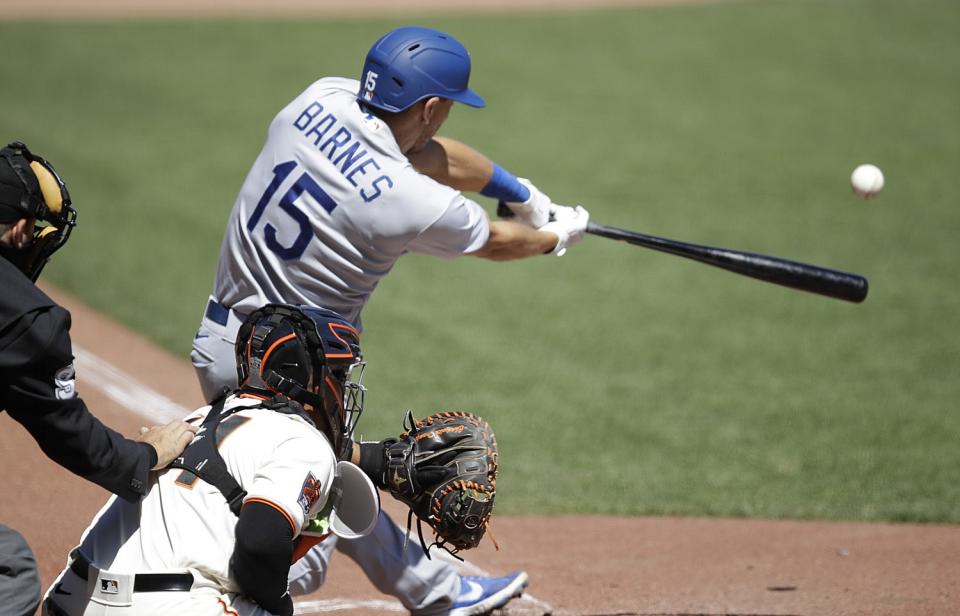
335	605
525	605
126	391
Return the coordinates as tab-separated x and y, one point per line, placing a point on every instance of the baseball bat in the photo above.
802	276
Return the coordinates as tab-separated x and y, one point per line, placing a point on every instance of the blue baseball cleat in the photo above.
481	595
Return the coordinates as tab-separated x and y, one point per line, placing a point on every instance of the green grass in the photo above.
619	380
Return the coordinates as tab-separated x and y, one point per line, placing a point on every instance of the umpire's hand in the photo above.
169	441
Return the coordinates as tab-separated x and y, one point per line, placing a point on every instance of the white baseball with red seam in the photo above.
867	181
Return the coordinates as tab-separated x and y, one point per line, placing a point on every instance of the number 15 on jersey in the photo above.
287	203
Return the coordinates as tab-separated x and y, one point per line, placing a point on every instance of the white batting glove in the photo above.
569	224
535	211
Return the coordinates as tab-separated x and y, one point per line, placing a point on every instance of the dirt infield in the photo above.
578	564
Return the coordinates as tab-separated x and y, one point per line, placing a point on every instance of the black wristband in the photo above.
372	461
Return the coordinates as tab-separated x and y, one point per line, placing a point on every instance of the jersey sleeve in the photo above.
461	228
296	481
39	392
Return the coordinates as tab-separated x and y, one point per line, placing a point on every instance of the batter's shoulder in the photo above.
326	86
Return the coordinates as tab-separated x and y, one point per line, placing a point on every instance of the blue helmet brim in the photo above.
469	97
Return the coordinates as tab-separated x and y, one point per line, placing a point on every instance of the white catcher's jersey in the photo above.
185	523
329	206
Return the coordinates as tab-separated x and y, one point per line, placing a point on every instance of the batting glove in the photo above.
535	211
569	224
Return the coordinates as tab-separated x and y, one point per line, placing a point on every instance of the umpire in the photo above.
37	380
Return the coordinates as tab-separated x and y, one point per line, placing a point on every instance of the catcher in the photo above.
263	481
266	479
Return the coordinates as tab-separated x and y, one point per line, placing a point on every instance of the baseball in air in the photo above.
867	181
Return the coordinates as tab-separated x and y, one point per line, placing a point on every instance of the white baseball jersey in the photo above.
185	523
329	206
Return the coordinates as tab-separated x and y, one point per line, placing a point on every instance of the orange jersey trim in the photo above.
226	608
293	527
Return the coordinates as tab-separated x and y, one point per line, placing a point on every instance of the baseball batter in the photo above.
352	177
347	183
256	488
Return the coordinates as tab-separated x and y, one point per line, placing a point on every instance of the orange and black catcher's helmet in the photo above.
310	355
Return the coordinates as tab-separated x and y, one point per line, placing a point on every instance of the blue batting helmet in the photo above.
410	64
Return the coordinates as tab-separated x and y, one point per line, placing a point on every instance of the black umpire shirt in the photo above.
38	389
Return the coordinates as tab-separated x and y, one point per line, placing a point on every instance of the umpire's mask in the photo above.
31	188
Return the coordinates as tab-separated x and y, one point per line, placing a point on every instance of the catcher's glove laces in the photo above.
445	469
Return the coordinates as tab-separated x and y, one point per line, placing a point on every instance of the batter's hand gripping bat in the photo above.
802	276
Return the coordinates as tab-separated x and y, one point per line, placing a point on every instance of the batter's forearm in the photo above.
509	241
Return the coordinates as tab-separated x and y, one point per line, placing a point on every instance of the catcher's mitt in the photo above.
445	469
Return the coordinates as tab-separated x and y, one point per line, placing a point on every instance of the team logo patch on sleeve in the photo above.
65	381
309	493
373	122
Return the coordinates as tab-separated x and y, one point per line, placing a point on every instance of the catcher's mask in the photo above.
310	355
31	188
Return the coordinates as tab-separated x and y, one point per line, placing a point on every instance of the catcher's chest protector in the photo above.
202	460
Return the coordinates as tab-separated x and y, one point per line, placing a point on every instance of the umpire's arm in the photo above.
36	349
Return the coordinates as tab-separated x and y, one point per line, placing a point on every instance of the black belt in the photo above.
217	312
142	582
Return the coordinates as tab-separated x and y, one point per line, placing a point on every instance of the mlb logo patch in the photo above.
372	122
309	494
109	587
